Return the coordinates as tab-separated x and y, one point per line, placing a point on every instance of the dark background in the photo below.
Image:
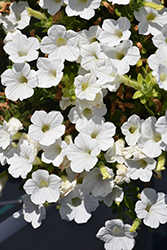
55	233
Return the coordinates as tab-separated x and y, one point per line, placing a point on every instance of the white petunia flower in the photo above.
115	31
97	184
22	49
116	195
161	38
122	174
52	6
66	186
160	57
86	87
46	127
33	213
162	76
10	35
92	57
115	153
161	127
20	81
60	43
152	208
21	161
18	14
54	153
150	140
43	187
109	75
50	72
83	153
150	20
132	129
116	235
84	8
89	36
85	110
78	205
14	125
101	131
141	168
123	55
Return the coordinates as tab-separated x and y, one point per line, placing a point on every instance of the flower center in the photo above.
94	134
143	163
84	86
57	1
87	112
119	33
45	128
43	184
148	208
21	53
60	41
92	40
132	129
23	79
120	55
150	17
157	137
54	73
118	232
76	201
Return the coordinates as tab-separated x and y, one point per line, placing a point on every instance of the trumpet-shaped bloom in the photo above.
54	153
43	187
86	87
131	129
78	205
89	36
141	168
98	185
52	6
20	81
22	49
85	110
161	38
18	14
161	127
60	43
150	20
85	9
50	72
152	208
150	140
116	235
21	161
101	131
83	153
92	56
123	55
33	213
115	31
46	127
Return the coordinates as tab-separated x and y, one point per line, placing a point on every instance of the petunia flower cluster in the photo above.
75	154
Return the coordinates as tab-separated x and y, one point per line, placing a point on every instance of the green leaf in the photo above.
131	214
137	94
128	202
140	79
